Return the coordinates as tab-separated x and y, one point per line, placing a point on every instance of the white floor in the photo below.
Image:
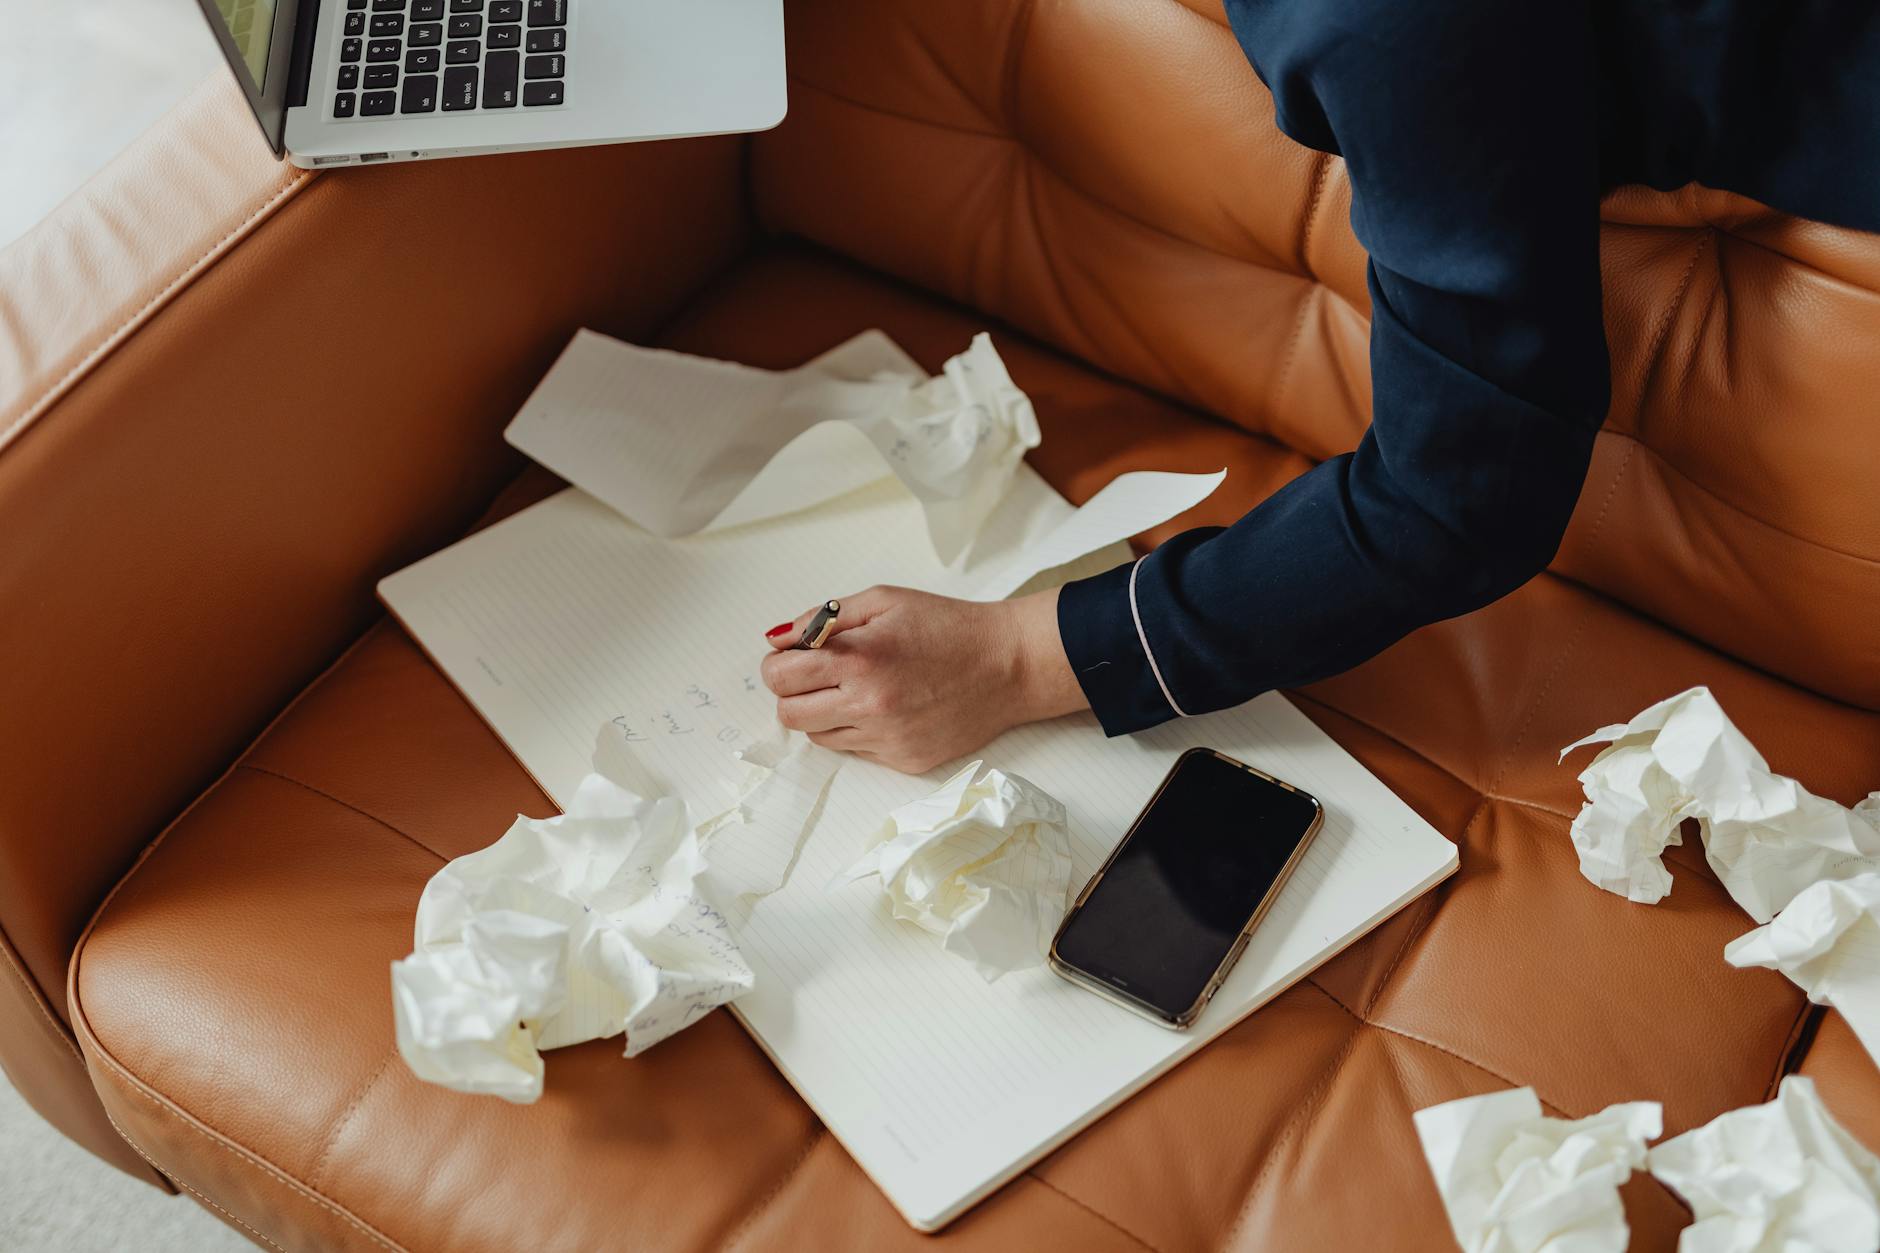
78	81
57	1198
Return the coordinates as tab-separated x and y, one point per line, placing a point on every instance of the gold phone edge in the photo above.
1187	1017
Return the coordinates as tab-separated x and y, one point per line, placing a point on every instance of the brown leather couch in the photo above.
233	395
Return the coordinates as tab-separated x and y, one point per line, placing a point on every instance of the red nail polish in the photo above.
777	630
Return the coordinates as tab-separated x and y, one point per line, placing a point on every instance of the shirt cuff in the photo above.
1104	637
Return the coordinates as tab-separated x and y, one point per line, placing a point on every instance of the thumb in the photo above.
854	611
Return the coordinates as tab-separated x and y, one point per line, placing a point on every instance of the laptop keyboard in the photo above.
422	56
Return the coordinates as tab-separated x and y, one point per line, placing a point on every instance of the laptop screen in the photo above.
258	38
250	24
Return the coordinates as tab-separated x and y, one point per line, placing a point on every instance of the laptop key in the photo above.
467	27
388	24
544	67
355	4
355	23
381	76
387	6
378	103
463	52
548	12
348	77
505	10
427	10
505	36
420	94
343	104
553	39
460	88
422	61
349	49
541	93
500	74
466	6
429	35
382	50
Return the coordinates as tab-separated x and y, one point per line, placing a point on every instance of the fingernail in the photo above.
777	630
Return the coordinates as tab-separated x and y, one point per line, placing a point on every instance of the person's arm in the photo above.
1469	131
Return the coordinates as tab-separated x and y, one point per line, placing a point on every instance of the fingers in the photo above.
844	740
816	712
857	610
794	671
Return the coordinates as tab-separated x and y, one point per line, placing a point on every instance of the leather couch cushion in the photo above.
232	995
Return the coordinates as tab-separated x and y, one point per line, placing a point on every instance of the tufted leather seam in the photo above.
1654	351
239	1151
1098	1214
1014	58
38	997
111	341
347	805
1428	911
1033	157
185	1187
345	1120
1432	1044
776	1190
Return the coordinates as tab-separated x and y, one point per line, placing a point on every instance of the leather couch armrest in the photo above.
233	395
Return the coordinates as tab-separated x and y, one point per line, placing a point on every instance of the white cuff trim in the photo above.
1143	639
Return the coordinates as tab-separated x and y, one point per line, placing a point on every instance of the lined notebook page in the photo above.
941	1086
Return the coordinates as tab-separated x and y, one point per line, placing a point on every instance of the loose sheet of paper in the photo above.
1775	1178
1515	1181
940	1085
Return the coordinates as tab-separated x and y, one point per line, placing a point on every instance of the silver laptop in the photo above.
343	82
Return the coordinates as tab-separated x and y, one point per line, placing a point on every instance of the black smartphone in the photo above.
1158	927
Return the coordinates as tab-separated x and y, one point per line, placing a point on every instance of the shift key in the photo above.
460	88
501	71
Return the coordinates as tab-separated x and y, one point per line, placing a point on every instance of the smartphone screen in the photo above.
1170	907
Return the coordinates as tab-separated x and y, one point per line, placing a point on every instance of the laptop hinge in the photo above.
300	68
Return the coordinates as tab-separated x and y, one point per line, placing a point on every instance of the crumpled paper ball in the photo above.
984	861
1516	1181
566	929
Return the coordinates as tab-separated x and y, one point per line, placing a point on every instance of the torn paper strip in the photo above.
1775	1178
1515	1181
1766	835
675	442
566	929
983	861
753	845
1828	941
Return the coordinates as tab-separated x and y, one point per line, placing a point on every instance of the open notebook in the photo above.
940	1085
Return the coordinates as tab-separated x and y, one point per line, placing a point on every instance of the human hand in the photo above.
910	680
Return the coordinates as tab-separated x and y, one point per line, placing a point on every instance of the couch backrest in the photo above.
1107	176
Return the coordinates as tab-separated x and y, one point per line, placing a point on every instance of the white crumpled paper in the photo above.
752	845
983	861
680	443
1777	1178
1828	941
1514	1181
566	929
1766	835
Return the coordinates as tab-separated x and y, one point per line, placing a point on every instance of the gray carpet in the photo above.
57	1198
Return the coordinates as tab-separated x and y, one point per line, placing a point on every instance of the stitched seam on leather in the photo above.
110	342
240	1152
314	1176
1653	353
1014	60
38	997
1320	174
347	805
1423	918
136	1148
1098	1214
1557	1110
776	1190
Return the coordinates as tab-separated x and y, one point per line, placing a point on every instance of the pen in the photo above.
820	626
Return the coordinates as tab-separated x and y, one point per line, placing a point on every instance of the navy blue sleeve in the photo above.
1469	130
